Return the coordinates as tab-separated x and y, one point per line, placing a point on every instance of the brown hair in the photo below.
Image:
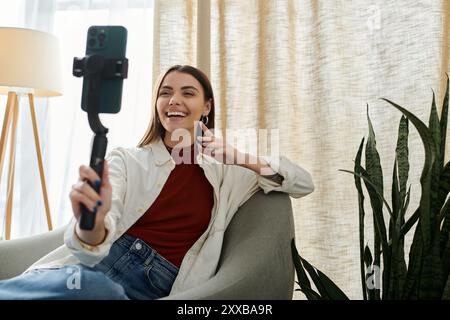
155	129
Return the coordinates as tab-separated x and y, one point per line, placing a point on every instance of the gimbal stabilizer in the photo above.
96	68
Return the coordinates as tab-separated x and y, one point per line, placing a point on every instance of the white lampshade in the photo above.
29	62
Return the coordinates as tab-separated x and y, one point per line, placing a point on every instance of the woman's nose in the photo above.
174	100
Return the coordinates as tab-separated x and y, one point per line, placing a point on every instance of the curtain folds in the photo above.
174	34
309	68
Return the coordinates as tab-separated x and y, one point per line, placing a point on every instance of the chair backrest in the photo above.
259	236
256	260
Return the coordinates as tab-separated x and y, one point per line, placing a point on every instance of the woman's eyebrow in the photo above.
189	87
182	88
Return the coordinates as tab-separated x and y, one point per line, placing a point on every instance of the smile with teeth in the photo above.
178	114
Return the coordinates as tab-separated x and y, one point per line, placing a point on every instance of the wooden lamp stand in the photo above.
10	122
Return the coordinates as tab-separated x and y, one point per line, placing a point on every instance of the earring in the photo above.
202	119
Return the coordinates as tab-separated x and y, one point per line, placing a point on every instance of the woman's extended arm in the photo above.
273	174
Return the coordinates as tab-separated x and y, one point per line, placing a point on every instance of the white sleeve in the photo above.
241	183
117	178
297	181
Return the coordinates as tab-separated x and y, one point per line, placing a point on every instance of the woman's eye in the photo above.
163	93
188	93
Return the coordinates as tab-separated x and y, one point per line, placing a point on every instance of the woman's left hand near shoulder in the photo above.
216	147
225	153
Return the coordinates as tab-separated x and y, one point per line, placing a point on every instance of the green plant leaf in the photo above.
380	228
367	181
396	197
395	269
424	276
445	229
375	173
425	179
444	187
446	256
402	156
431	281
361	215
410	223
444	221
400	202
368	261
334	292
399	270
327	288
402	218
406	205
435	131
315	278
434	124
310	294
368	257
446	293
303	280
373	165
411	288
443	125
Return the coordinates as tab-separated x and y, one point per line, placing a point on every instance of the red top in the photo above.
179	215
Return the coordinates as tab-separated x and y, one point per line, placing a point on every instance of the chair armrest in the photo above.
18	254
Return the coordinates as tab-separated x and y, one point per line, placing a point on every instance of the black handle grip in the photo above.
87	219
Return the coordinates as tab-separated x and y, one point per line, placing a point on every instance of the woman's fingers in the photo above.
84	193
84	188
78	197
87	173
205	129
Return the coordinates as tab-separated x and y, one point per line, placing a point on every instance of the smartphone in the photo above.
109	42
198	132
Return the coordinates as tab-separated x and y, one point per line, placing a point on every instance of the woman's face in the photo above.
181	102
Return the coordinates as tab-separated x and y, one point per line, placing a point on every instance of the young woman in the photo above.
163	206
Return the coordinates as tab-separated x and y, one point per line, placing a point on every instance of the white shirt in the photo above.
137	176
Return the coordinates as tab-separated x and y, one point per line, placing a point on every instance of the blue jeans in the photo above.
132	270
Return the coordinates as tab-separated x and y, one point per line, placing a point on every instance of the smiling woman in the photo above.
162	219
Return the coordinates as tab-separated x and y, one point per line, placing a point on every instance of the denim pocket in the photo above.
159	279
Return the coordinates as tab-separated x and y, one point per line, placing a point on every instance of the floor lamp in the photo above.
29	67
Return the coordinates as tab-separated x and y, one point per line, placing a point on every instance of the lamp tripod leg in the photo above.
12	165
39	157
5	129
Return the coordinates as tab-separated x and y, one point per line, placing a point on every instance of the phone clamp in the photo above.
96	68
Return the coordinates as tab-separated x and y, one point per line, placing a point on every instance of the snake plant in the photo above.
427	274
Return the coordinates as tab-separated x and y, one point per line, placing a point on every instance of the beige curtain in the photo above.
309	68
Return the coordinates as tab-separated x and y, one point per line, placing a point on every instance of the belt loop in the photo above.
143	250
